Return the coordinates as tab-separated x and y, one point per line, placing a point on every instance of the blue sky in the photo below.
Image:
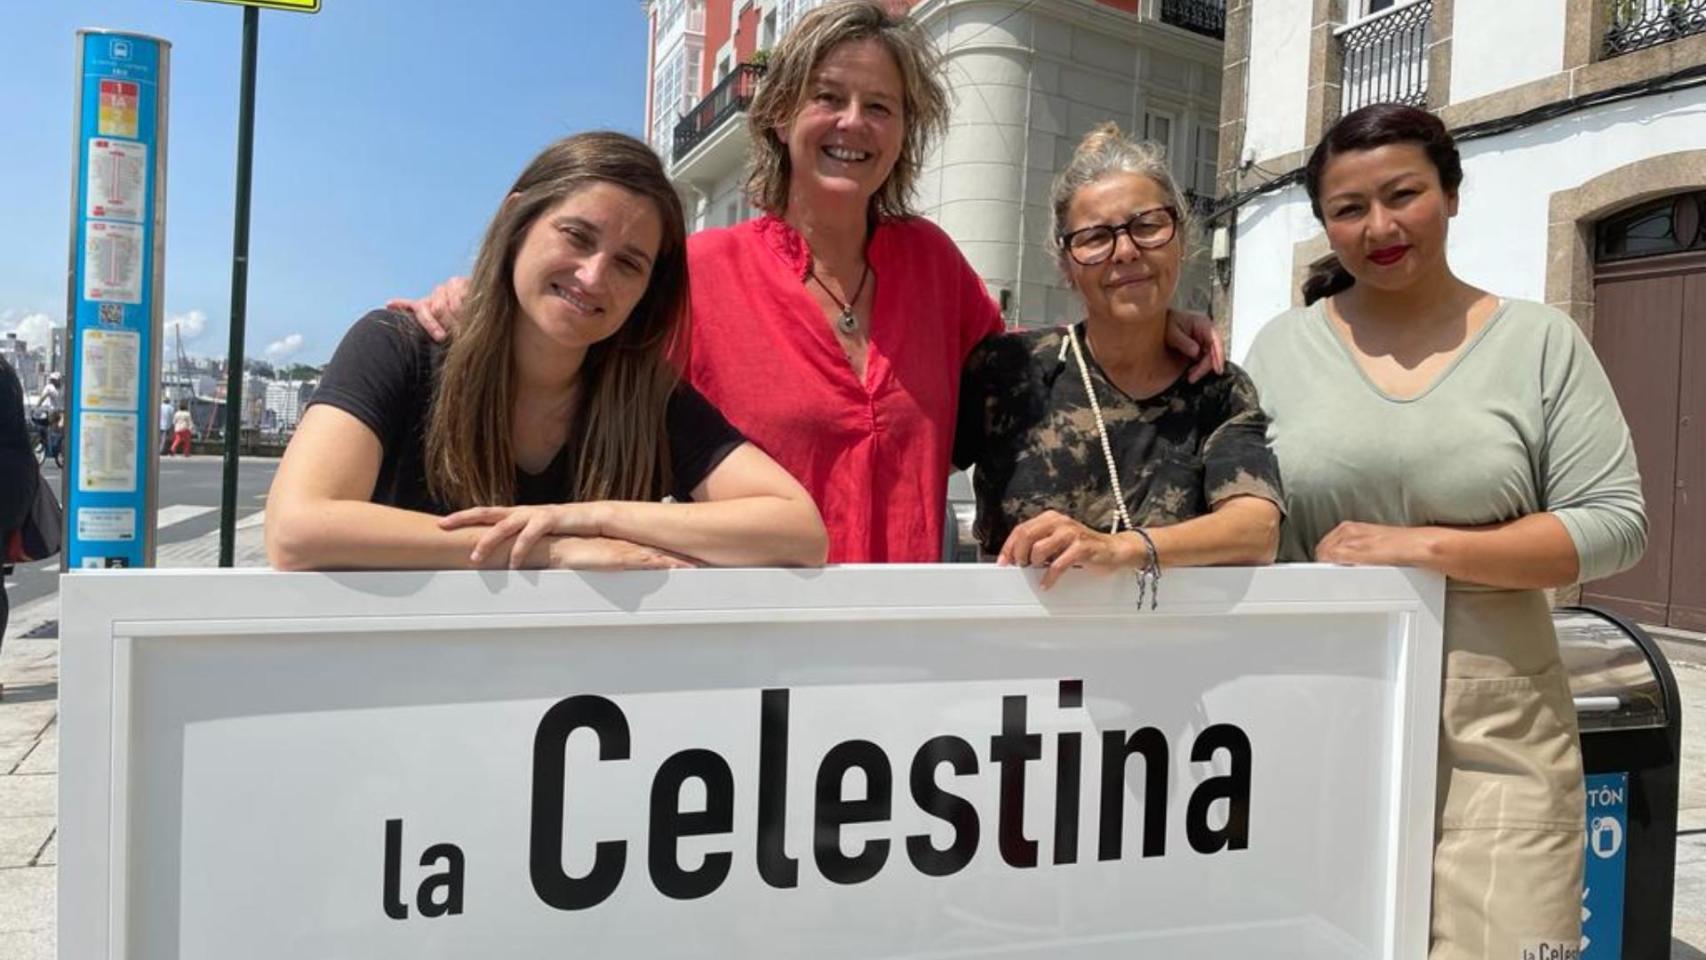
386	132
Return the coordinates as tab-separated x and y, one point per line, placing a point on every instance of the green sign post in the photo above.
240	262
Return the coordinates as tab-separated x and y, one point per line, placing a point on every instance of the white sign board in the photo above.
849	763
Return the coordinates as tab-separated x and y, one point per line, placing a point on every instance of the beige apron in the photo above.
1509	810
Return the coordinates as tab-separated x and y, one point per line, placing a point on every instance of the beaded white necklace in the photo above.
1149	576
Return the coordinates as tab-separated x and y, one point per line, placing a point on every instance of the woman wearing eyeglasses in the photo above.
1091	446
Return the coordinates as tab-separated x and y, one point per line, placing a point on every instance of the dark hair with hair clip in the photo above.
1376	125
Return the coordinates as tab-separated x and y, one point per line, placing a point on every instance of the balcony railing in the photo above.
1207	17
1638	24
1386	57
729	97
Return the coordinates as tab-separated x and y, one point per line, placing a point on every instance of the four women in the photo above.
1418	420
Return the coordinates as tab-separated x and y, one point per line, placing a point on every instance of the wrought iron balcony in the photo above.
729	97
1201	204
1638	24
1207	17
1386	57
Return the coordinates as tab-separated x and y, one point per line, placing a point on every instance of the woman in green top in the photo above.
1420	421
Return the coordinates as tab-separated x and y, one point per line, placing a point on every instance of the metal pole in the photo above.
239	289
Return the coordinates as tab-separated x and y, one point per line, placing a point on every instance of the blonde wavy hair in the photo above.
626	379
788	75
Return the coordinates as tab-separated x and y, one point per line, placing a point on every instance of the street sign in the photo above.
294	6
846	764
118	229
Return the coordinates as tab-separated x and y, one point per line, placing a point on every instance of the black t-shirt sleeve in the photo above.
1237	460
972	417
699	438
376	373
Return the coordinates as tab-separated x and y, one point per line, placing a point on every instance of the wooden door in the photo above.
1650	334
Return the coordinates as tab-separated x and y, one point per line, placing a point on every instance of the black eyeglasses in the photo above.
1148	229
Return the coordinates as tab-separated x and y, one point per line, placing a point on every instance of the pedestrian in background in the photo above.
166	411
181	426
18	473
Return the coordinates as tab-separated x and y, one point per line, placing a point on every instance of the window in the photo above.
1158	129
673	11
1670	225
1373	7
696	16
667	102
690	79
723	68
792	10
767	31
1208	156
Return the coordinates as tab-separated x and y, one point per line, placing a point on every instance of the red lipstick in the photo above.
1387	256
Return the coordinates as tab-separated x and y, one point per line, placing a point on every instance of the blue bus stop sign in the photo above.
114	306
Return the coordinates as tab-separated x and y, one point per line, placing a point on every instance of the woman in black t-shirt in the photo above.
547	434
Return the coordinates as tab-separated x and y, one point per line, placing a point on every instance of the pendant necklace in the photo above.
846	322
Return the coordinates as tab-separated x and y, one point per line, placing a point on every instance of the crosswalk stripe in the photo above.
178	513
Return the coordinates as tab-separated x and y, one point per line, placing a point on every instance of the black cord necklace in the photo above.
846	322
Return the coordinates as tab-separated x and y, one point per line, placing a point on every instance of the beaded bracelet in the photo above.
1148	575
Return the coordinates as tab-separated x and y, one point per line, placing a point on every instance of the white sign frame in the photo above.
112	617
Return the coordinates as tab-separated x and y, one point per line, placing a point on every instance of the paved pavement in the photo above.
29	748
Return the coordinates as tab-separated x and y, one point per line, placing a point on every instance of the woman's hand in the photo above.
440	312
526	527
1061	543
1374	544
1193	335
605	553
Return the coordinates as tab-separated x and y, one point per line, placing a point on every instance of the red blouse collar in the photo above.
791	248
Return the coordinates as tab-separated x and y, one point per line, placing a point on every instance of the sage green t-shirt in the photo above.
1523	420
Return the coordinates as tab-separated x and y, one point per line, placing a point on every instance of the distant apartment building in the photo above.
1582	125
1029	78
25	363
284	403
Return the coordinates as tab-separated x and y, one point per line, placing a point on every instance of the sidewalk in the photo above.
29	750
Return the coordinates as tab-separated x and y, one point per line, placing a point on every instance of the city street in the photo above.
189	508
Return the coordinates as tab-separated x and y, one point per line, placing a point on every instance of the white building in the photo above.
284	400
1029	78
25	363
1582	126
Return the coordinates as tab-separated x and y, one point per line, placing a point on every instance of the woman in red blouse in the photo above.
831	330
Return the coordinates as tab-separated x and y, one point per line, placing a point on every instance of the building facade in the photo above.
1028	77
1582	126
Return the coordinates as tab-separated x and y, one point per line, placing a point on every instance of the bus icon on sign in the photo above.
121	49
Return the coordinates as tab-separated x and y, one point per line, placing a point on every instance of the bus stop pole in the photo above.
239	290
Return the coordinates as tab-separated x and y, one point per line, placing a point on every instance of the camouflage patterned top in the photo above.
1027	427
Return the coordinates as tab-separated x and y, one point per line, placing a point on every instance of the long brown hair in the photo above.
626	379
788	74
